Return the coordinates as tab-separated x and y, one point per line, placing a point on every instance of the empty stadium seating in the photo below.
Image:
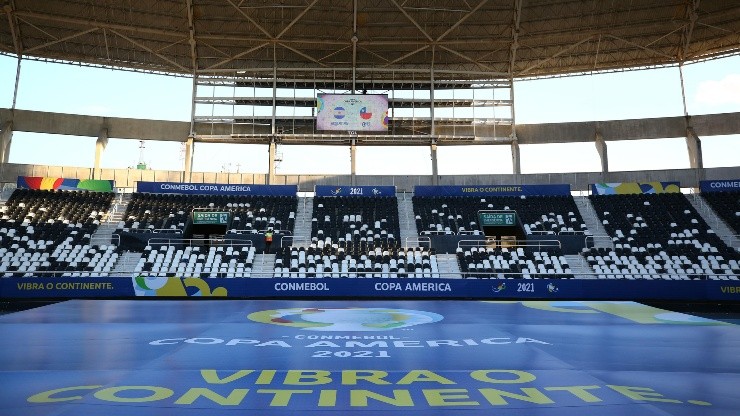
205	262
169	212
658	236
49	230
513	263
334	261
459	215
363	222
727	207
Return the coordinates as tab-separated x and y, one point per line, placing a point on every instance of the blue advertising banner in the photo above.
328	190
492	190
215	189
729	185
145	286
372	358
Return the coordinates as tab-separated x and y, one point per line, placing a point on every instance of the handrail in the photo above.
430	274
593	239
511	243
167	230
734	241
189	241
294	240
235	231
108	241
418	240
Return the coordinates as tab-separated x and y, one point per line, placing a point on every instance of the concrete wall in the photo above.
56	123
635	129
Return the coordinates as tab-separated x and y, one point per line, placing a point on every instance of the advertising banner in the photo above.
374	358
729	185
492	190
215	189
626	188
147	286
46	183
328	190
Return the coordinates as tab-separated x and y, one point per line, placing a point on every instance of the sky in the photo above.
711	87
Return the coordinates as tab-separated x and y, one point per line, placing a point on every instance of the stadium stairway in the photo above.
104	233
264	265
579	266
714	221
302	229
407	224
448	266
600	238
126	264
6	192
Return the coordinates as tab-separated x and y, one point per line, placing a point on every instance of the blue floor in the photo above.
118	357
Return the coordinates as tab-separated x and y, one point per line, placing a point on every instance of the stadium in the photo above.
465	279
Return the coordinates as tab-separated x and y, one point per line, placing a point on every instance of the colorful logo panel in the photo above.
345	319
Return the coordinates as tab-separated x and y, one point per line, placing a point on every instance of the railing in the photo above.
234	231
734	241
593	238
438	232
218	242
508	243
113	239
418	240
289	240
410	275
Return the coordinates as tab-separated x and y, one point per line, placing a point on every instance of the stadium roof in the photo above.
518	38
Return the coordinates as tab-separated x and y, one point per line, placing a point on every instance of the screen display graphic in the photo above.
352	112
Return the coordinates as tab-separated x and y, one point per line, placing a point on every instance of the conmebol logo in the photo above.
345	319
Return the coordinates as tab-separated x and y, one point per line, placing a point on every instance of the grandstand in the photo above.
326	262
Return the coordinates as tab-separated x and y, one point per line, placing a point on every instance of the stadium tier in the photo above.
643	237
50	231
459	215
250	214
659	236
354	221
727	207
356	262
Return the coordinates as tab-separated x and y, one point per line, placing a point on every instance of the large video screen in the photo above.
352	112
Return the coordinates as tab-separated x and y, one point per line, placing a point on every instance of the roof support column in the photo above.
433	130
17	80
601	148
274	97
353	161
189	144
6	136
435	171
515	156
100	146
693	143
271	162
515	159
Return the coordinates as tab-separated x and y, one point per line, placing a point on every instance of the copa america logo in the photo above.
345	319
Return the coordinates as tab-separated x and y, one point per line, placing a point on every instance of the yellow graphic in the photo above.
633	311
626	188
486	387
174	286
